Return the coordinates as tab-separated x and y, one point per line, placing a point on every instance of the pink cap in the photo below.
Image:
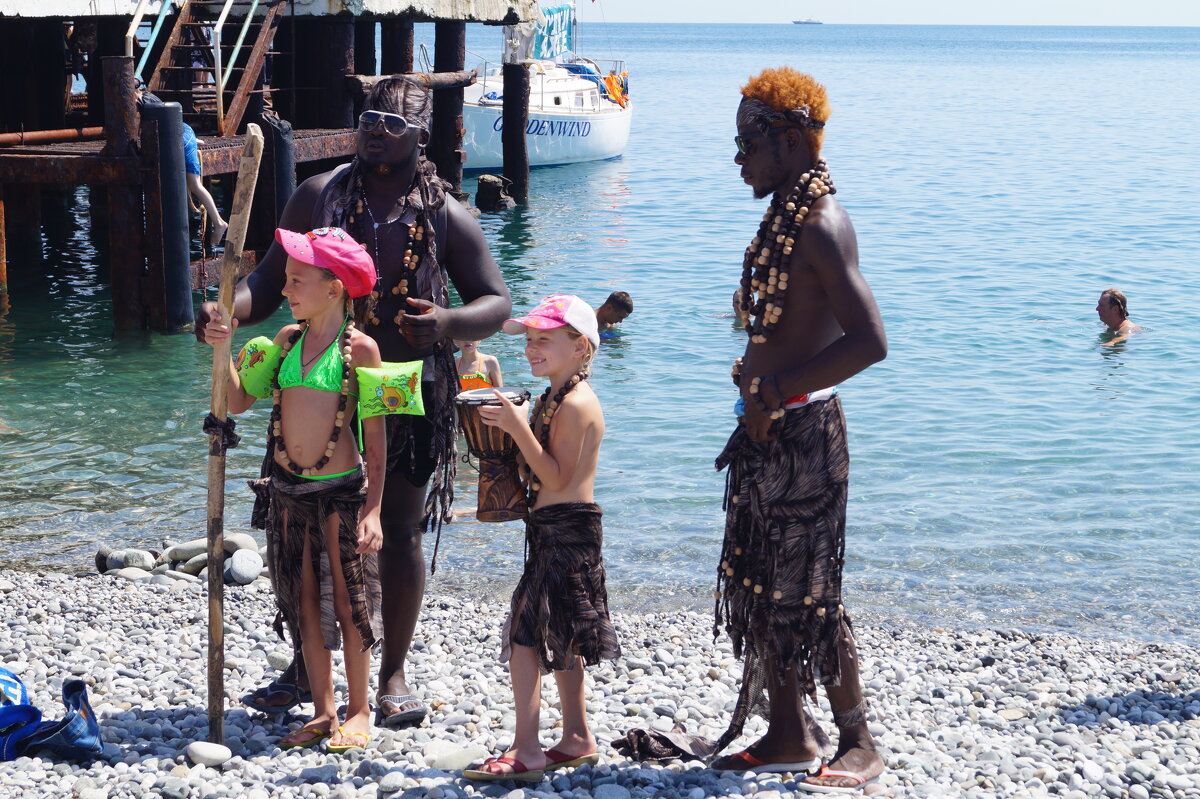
334	249
555	311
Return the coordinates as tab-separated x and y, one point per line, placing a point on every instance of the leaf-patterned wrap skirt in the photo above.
297	512
780	577
560	607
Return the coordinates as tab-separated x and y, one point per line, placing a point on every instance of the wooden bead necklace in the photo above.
764	269
417	249
275	436
544	410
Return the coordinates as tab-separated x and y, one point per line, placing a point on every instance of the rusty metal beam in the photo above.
225	157
3	251
253	67
50	136
68	170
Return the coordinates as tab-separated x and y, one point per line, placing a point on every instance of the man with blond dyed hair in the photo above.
812	323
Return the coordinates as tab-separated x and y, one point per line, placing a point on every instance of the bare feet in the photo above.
216	231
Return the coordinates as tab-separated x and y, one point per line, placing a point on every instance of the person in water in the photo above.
613	312
391	199
558	620
1113	310
322	524
813	324
476	369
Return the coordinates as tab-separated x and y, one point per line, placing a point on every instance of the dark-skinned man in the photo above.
813	324
390	199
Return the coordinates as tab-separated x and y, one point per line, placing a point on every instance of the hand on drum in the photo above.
508	417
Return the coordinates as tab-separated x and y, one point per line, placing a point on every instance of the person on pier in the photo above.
812	324
391	199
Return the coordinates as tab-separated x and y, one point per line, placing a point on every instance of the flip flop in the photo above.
400	718
825	771
744	761
317	733
339	748
563	760
519	772
274	688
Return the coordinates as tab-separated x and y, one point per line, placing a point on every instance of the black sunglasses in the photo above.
392	123
743	142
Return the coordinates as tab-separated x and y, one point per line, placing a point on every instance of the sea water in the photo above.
1007	469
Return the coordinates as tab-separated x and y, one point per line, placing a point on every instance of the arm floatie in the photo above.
391	388
256	365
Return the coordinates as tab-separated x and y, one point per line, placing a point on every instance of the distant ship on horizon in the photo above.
809	21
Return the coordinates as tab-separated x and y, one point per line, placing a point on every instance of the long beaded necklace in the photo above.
276	430
764	269
416	250
544	410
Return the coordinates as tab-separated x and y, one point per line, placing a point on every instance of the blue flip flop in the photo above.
255	699
400	718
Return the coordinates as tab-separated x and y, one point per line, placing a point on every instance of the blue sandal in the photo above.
400	718
258	699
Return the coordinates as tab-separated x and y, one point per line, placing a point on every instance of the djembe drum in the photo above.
501	494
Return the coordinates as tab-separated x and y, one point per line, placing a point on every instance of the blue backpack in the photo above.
22	730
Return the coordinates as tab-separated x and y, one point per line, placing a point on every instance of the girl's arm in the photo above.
558	466
493	370
365	352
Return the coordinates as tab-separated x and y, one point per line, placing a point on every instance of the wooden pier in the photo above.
52	140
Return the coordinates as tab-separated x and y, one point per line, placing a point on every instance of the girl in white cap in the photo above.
559	619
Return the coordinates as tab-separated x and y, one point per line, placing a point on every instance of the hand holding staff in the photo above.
220	434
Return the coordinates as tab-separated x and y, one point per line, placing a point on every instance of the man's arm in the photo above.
257	295
832	249
469	263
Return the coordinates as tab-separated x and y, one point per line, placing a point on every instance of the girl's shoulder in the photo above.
364	351
285	333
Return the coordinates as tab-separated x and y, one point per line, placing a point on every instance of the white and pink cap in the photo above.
555	311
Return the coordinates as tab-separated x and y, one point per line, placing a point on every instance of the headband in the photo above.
753	111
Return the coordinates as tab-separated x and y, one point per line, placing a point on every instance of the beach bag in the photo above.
18	718
22	731
389	389
76	735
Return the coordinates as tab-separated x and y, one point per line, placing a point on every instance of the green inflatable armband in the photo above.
256	365
391	388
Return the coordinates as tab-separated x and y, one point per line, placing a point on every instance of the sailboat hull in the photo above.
550	138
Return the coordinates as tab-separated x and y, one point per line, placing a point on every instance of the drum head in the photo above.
484	396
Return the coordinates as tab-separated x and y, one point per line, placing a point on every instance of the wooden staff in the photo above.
235	238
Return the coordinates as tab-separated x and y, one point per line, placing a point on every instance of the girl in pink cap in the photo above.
559	619
321	509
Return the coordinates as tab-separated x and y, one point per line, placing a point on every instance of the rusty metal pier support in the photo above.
445	141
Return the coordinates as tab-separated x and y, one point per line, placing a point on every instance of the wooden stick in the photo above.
235	238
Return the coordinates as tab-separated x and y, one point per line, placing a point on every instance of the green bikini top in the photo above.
325	374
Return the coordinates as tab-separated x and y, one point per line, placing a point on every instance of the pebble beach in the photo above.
967	713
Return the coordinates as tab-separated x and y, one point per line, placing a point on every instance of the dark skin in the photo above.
830	331
406	333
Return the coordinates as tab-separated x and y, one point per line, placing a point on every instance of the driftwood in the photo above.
430	80
243	196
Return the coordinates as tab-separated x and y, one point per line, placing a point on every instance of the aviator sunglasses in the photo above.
743	142
392	123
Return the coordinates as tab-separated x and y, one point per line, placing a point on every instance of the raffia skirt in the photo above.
560	607
780	576
297	512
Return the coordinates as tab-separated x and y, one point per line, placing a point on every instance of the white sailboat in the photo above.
578	109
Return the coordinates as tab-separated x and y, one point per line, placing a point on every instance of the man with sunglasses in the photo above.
812	323
392	201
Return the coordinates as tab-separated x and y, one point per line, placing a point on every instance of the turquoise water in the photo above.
1007	469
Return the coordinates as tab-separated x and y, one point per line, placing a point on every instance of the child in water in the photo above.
559	616
475	369
323	521
613	312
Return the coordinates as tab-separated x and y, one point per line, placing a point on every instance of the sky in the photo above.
891	12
